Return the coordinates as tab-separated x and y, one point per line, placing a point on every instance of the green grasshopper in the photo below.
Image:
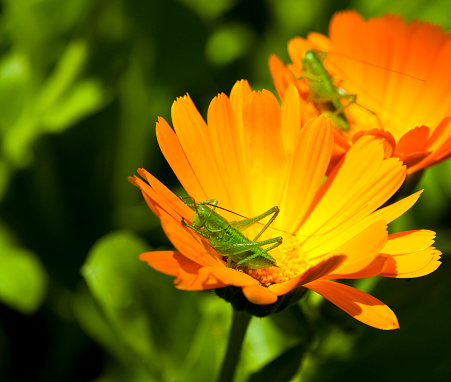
228	240
324	93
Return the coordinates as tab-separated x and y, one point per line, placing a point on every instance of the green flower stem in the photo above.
240	322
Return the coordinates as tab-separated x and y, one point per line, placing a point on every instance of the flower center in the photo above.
290	262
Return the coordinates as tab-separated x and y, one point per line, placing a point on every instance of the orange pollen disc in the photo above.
290	263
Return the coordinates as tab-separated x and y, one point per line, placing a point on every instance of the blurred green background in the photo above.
82	83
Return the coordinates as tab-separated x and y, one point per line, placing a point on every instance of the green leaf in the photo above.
91	319
14	88
283	368
117	279
84	98
23	279
110	267
65	74
228	43
147	323
293	323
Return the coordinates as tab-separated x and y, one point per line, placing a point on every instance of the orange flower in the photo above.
411	100
252	155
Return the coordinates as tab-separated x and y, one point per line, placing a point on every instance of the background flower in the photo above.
410	99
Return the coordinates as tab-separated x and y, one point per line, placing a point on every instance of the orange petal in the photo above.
291	120
320	41
408	241
229	276
205	280
265	153
229	147
191	244
414	159
166	203
170	210
395	210
361	250
192	133
164	197
385	138
168	262
309	162
282	77
259	295
414	140
412	147
341	146
439	144
240	91
359	185
296	50
375	268
192	276
176	158
440	138
189	274
411	265
356	303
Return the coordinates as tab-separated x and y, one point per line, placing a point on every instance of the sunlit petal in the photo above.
356	303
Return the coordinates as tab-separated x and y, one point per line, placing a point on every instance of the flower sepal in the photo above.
239	302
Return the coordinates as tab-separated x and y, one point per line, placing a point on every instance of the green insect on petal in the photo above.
227	237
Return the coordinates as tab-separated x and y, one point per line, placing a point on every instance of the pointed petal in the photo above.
393	211
227	142
411	265
319	40
177	159
240	91
308	167
262	125
291	119
408	241
164	197
358	304
166	203
359	185
192	133
281	76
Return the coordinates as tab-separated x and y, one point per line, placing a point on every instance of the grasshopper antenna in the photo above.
376	65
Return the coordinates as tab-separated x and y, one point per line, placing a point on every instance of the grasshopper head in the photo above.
201	216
